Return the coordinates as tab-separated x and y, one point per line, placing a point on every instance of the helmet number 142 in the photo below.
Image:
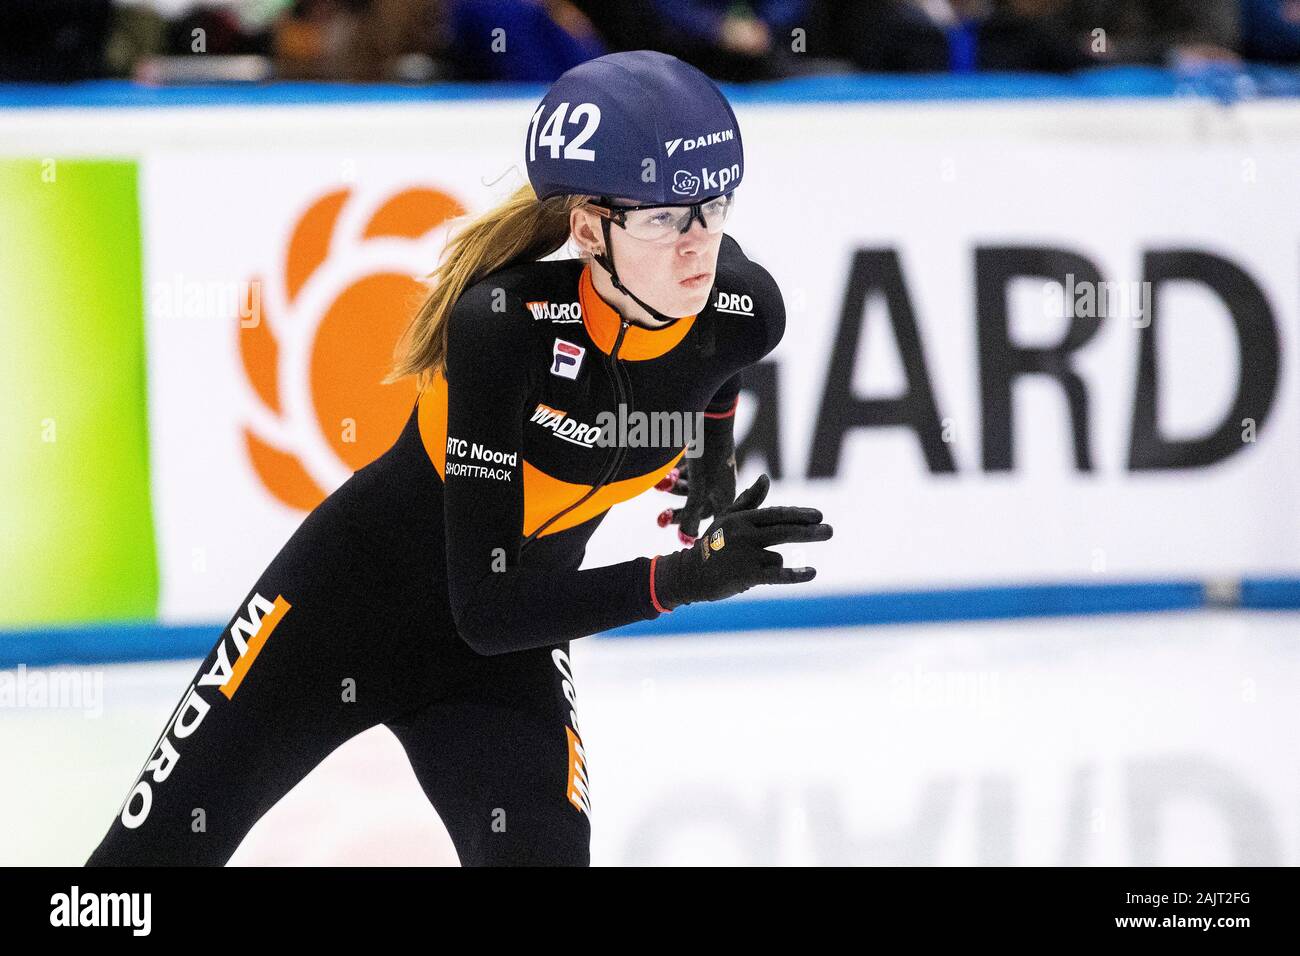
553	136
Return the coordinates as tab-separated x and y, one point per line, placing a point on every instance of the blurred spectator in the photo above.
958	35
1270	30
627	24
400	40
53	40
138	32
180	41
1029	35
315	40
213	30
537	40
519	40
887	36
1167	32
730	40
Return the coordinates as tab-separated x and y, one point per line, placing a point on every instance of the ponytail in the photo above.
521	229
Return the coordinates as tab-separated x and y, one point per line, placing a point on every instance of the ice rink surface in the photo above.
1165	739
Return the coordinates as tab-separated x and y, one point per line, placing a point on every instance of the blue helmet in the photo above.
639	124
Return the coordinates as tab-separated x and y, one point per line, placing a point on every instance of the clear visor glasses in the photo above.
665	224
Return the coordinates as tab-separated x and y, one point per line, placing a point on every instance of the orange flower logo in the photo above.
316	373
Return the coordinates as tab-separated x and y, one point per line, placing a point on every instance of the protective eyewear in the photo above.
665	223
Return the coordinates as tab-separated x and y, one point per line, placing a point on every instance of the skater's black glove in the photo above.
732	555
708	480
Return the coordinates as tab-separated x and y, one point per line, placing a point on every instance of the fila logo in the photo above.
707	140
736	303
555	311
566	359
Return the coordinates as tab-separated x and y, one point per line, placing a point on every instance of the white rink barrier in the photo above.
1030	344
1160	740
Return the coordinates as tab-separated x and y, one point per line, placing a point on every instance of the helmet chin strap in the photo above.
606	261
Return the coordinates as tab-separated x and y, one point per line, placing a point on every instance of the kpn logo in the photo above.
315	357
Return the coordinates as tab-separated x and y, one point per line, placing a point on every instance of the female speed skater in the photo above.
437	590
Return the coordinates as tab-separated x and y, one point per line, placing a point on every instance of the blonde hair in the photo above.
521	229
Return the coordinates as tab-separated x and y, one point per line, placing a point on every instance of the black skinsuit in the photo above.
442	605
